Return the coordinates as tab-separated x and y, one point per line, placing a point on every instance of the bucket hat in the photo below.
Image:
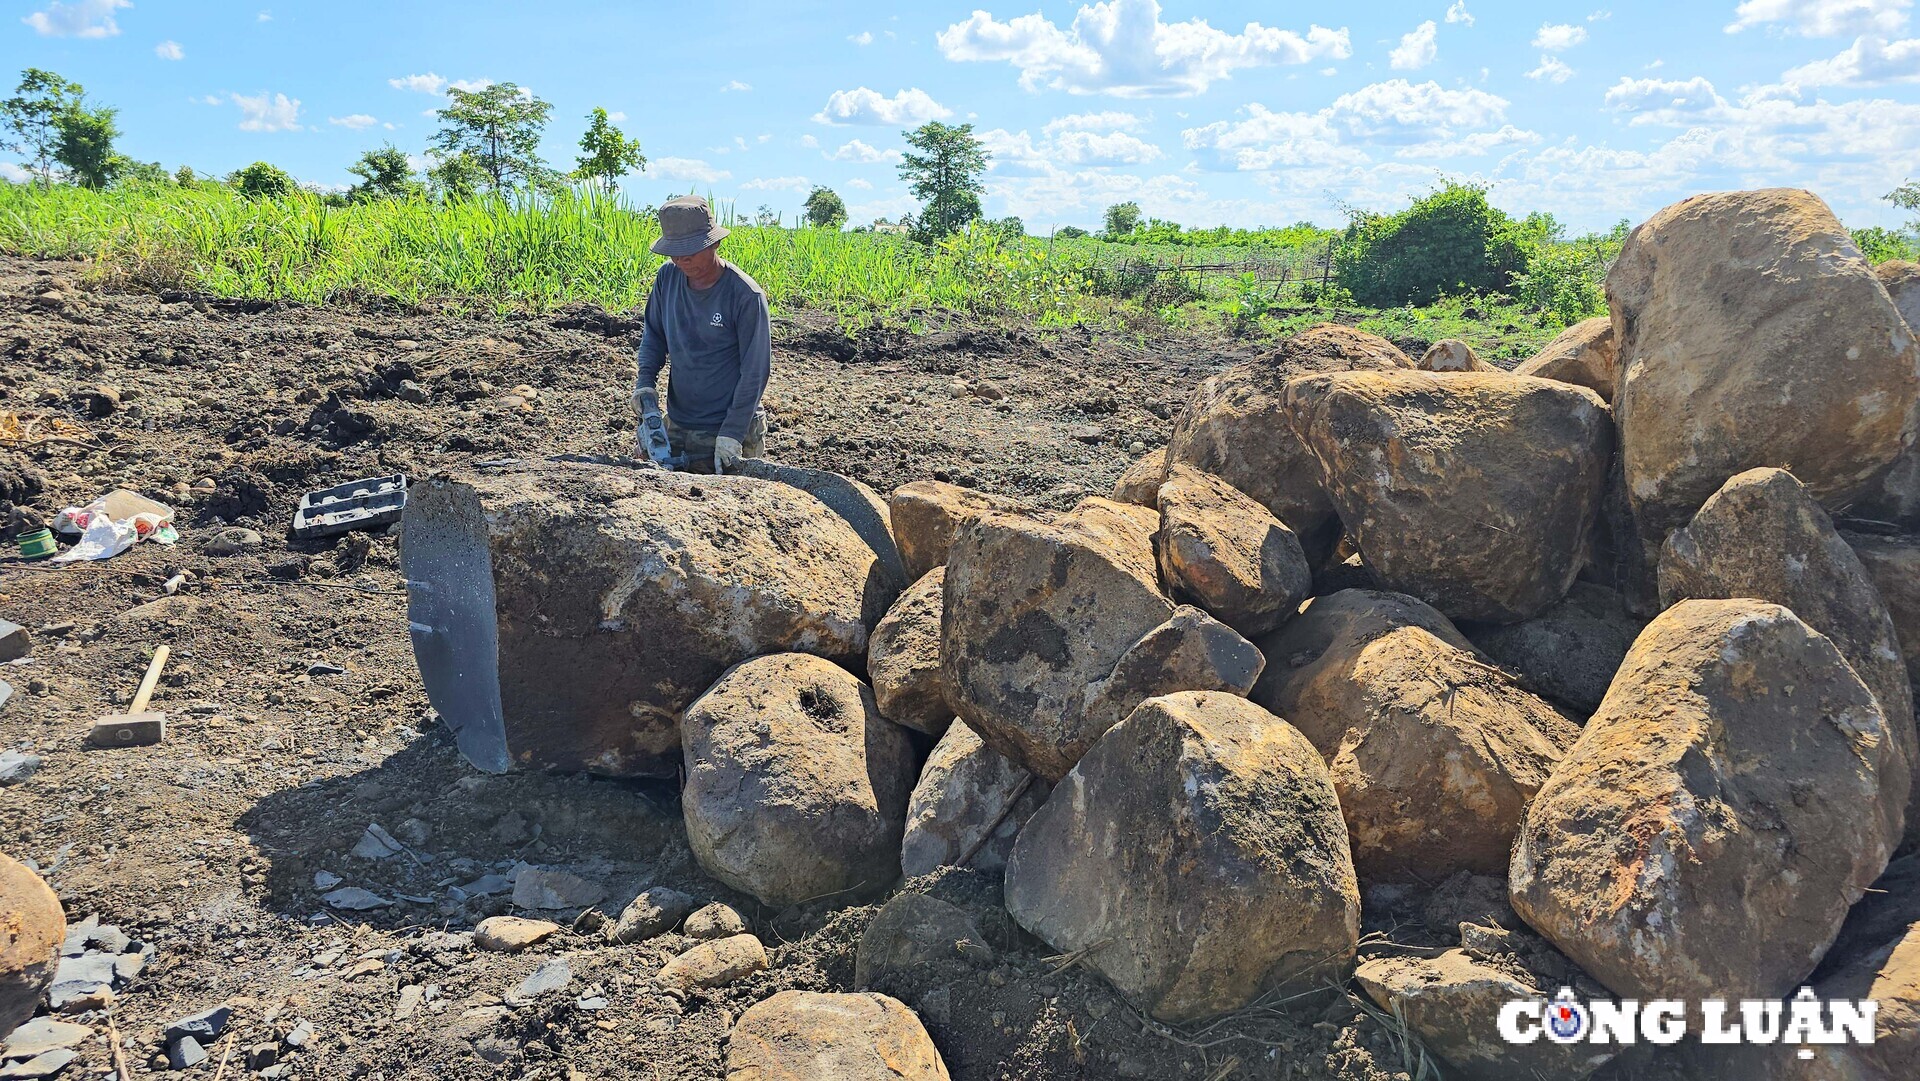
686	226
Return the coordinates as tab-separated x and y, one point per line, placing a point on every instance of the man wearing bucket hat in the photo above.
708	320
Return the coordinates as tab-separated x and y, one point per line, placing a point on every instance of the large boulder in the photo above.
1894	496
1569	652
1036	612
1762	536
1893	562
565	613
903	658
1721	811
1191	651
1141	481
1752	333
968	807
1235	427
1901	279
1474	492
1452	355
1228	554
1453	1002
1434	752
1195	857
858	505
796	786
32	927
928	514
815	1036
1583	354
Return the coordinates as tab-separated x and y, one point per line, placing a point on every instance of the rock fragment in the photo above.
511	934
1222	551
715	963
903	658
965	790
812	1036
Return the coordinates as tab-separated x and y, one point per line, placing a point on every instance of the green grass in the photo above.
503	255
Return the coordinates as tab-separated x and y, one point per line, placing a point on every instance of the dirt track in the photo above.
208	845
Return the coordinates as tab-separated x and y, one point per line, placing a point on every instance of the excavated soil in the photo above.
297	718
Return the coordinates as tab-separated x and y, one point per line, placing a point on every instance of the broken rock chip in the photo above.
903	658
965	790
511	934
1732	780
1033	614
1227	554
1195	857
1763	536
1475	492
711	964
814	1036
1453	1002
796	785
1434	752
1752	332
354	899
564	614
549	888
927	516
30	941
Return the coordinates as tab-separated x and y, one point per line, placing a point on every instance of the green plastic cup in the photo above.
37	544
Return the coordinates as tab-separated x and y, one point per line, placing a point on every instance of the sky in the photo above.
1205	113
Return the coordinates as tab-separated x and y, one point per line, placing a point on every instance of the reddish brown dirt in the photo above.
208	845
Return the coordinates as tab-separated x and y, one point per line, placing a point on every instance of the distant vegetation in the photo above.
488	222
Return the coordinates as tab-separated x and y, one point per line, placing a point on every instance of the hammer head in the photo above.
129	729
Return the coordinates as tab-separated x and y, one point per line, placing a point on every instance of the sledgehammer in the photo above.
136	727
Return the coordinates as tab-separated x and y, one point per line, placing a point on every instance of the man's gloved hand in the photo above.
644	397
726	452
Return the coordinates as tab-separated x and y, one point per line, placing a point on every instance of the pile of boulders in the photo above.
1628	631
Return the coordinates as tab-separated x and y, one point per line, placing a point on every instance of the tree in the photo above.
145	172
29	120
184	177
499	127
944	169
262	180
766	216
84	144
1121	219
825	209
1069	232
1448	242
1906	196
1008	228
457	177
609	155
384	173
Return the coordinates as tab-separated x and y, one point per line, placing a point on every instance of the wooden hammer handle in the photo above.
152	678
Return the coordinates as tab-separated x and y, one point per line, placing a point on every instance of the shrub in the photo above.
1451	241
262	181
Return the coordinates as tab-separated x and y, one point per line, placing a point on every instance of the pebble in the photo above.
511	934
233	541
715	921
712	964
551	976
301	1034
16	767
354	899
654	912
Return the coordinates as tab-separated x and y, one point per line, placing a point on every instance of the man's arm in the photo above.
756	362
652	354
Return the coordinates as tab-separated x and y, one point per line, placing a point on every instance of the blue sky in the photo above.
1206	113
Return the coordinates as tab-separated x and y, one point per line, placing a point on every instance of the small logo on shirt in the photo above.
716	320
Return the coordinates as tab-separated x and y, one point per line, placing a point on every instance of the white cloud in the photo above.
265	112
1399	111
1102	121
1559	37
1457	13
864	37
692	169
169	50
616	116
356	122
860	183
1869	61
1122	47
1551	69
210	99
10	171
797	184
425	84
474	86
809	142
1600	16
858	151
1020	154
735	86
1665	101
1823	18
863	106
77	19
265	17
1472	145
1392	113
1416	49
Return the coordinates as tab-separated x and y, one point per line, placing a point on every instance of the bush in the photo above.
1879	245
1068	232
1451	241
262	181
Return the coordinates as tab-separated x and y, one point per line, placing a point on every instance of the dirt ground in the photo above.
298	719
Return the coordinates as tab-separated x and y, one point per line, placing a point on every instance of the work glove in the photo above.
726	452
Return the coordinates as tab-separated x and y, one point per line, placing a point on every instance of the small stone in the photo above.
414	832
233	541
811	1036
185	1053
301	1034
16	767
654	912
1089	433
204	1026
914	929
262	1055
43	1034
354	899
411	391
39	1066
711	964
511	934
714	921
326	880
551	976
541	887
377	844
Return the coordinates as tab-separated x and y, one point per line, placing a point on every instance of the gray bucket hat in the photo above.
686	226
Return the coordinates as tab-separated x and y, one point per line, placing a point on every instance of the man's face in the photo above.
700	263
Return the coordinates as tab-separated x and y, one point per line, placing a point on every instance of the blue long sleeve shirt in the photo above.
718	344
